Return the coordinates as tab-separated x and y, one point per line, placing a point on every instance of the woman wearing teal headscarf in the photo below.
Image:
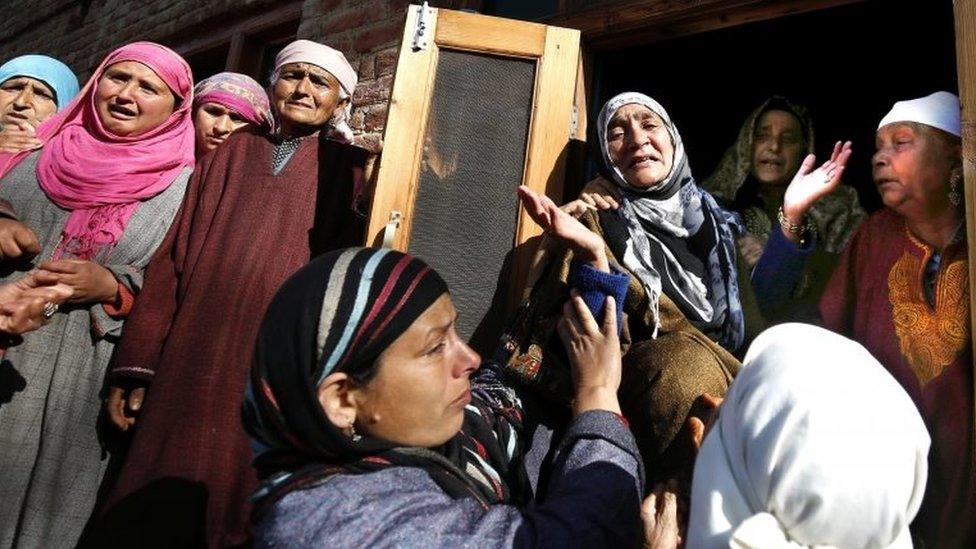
32	88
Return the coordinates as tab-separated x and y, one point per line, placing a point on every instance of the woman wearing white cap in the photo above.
902	291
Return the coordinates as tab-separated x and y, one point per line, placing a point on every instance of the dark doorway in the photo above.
847	64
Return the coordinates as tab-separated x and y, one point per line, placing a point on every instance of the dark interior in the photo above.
846	64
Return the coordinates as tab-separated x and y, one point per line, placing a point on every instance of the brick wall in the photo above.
81	32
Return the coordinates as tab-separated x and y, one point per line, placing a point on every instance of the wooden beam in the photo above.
965	13
481	33
635	22
216	35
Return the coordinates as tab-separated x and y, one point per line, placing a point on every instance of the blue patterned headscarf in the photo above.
49	70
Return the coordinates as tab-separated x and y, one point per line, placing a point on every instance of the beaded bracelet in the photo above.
793	228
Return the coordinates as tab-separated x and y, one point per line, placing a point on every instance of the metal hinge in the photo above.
573	122
421	39
389	231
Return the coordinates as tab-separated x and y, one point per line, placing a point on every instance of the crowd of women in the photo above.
196	352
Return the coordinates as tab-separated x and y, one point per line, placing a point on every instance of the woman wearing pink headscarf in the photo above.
225	103
87	211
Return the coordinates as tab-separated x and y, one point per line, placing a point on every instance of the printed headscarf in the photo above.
239	93
678	207
815	445
49	70
835	215
338	314
102	177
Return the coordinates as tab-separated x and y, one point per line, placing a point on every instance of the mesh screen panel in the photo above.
474	151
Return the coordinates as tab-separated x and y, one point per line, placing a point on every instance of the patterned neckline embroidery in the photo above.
930	337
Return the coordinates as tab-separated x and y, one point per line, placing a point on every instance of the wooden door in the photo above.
479	106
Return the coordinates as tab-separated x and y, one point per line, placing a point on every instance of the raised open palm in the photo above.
586	245
810	185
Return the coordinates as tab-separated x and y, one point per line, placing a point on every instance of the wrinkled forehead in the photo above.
20	78
631	112
309	68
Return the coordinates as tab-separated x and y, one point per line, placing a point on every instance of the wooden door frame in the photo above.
557	55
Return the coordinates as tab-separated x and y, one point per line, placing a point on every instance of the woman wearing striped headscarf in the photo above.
225	103
372	422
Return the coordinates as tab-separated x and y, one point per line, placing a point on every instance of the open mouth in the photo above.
770	163
642	161
121	113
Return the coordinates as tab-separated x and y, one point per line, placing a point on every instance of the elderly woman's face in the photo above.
213	123
26	100
304	96
911	168
132	99
777	148
640	145
421	388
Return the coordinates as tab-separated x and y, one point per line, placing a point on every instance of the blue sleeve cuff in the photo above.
594	286
780	269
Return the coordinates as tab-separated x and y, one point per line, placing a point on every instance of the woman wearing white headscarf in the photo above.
814	445
902	290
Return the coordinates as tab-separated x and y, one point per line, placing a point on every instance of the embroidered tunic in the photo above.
877	296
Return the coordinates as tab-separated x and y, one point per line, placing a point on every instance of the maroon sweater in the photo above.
242	231
875	297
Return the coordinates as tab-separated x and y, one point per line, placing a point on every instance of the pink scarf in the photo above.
102	177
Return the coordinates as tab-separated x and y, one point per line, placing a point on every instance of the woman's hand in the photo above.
89	281
17	240
587	246
23	302
660	515
751	249
18	137
123	404
810	185
589	201
594	353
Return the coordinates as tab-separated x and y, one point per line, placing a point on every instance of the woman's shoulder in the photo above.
344	508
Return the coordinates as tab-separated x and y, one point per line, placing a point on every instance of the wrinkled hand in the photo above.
810	185
586	245
18	137
751	248
89	281
22	304
17	240
123	404
660	515
594	354
589	201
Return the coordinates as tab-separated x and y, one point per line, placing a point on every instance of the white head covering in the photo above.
939	110
815	445
332	60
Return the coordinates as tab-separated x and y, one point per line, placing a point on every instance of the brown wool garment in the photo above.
242	231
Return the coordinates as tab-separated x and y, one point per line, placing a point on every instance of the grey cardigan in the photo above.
592	500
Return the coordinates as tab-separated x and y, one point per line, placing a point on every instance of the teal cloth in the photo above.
49	70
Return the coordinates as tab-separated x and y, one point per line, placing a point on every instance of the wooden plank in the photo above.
482	33
399	169
217	35
965	14
630	23
549	132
